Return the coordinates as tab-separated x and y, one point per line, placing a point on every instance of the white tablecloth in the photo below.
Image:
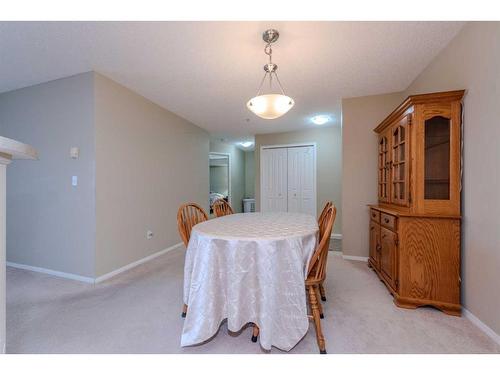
249	268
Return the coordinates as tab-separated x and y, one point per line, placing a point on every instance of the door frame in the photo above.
315	168
229	193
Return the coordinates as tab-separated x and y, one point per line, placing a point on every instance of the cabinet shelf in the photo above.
434	145
437	181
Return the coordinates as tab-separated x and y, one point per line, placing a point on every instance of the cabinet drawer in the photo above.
375	215
388	221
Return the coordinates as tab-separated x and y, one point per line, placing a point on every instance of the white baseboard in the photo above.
91	280
483	327
135	264
47	271
352	257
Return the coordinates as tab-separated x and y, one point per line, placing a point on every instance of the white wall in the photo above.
472	62
148	162
51	224
329	163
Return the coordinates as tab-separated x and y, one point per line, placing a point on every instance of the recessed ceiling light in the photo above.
246	144
320	119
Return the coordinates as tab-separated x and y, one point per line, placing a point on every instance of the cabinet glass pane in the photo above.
382	168
437	158
401	152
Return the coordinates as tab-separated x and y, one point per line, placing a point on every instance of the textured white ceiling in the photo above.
206	71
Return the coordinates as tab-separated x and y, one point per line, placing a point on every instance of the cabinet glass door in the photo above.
399	176
383	169
437	158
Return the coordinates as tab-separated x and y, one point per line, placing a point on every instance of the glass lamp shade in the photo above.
270	106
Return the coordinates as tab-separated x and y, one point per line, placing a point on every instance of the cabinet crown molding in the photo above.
445	96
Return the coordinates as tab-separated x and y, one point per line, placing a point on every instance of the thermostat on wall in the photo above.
74	152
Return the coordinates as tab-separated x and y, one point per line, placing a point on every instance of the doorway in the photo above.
220	177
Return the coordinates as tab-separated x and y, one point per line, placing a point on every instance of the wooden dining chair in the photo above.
188	216
316	276
222	208
321	217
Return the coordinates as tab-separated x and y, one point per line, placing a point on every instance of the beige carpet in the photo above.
139	312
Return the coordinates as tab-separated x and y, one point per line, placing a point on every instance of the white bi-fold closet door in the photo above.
288	179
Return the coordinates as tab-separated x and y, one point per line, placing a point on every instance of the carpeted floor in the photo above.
139	312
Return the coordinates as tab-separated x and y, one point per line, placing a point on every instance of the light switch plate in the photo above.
74	180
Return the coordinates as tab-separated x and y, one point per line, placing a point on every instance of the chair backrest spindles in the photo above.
321	217
188	216
317	265
222	208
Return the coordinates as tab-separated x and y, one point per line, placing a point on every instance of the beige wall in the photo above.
329	164
51	224
3	281
237	171
148	162
359	180
472	62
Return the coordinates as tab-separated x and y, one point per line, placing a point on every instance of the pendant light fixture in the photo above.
272	105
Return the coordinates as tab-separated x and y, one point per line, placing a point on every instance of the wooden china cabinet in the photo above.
415	227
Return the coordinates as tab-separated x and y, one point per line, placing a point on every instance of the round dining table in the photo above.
249	268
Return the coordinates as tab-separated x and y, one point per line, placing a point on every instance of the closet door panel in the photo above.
301	180
274	180
294	183
308	199
281	180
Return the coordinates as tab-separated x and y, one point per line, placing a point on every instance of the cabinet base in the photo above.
413	303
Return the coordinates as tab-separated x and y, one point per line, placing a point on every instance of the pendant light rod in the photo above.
270	36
